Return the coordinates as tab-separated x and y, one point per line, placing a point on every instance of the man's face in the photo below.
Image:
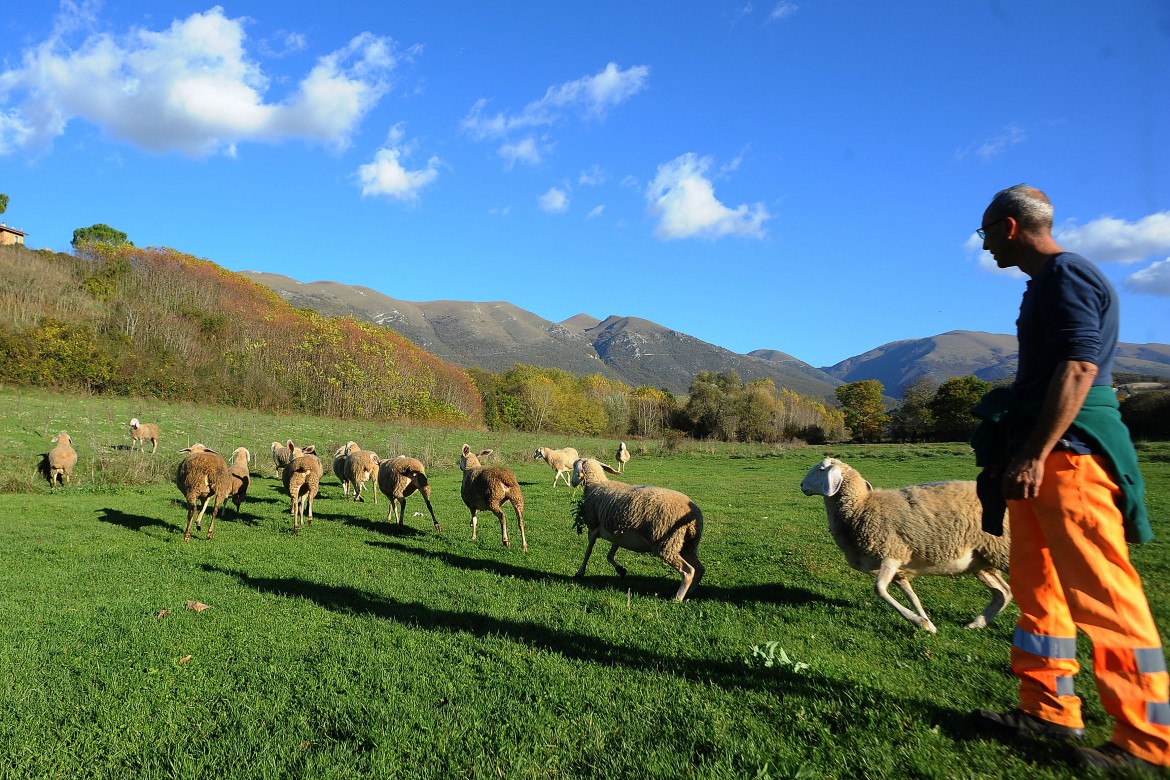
995	227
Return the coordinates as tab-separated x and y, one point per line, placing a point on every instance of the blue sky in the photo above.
800	175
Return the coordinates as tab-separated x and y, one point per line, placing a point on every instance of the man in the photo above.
1056	446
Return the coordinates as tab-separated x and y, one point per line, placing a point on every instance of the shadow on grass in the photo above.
133	522
642	585
728	674
384	528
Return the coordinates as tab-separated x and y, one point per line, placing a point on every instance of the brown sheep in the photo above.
400	477
202	476
302	480
488	487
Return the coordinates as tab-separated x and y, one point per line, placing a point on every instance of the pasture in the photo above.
358	650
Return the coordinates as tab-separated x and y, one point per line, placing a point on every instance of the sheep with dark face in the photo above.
488	487
639	518
400	477
202	476
922	529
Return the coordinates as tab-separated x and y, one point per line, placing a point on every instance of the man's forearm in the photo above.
1067	389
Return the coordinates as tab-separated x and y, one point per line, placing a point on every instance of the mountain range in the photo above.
496	335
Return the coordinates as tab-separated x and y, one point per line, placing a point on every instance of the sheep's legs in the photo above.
1000	598
504	528
690	573
691	556
430	509
214	514
621	570
588	551
887	574
474	523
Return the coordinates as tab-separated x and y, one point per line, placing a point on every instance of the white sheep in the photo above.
339	463
488	487
283	454
141	432
61	460
622	457
240	477
302	480
922	529
639	518
202	476
560	461
400	477
360	467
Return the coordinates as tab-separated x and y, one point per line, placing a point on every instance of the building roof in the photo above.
4	227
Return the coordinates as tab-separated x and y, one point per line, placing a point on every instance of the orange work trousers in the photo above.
1070	569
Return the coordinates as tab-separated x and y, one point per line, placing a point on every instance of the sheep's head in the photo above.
134	423
469	460
538	453
63	438
241	453
826	478
586	470
196	448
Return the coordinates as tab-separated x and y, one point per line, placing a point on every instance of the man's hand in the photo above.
1022	479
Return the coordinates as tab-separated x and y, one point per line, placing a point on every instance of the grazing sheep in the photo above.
283	454
240	478
302	480
140	433
400	477
622	457
360	467
639	518
339	464
560	461
487	487
62	459
202	476
921	529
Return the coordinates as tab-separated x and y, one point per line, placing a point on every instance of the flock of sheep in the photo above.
932	529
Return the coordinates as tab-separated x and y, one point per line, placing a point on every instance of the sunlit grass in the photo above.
356	650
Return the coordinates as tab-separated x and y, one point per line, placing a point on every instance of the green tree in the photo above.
913	420
3	203
864	409
100	234
711	408
952	405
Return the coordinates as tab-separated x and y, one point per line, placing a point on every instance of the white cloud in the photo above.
593	177
190	88
590	96
527	150
683	199
595	212
986	150
782	11
555	201
1154	280
1110	240
386	175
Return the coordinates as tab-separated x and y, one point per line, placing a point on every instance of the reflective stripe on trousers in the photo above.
1070	569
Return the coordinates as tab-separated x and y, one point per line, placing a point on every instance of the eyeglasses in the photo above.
982	232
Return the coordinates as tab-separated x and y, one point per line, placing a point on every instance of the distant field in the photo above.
355	650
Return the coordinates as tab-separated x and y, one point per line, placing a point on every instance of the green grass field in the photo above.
356	650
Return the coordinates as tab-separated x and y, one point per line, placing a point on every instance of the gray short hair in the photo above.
1028	205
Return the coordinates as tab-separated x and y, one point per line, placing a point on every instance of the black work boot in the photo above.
1018	724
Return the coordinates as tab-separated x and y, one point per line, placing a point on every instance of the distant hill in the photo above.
495	336
988	356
